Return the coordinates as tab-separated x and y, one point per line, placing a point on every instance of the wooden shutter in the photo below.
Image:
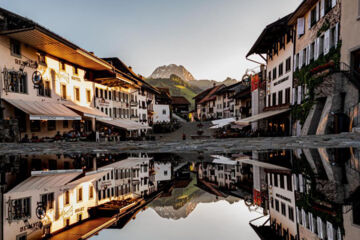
297	215
317	11
336	40
300	26
333	3
327	42
322	8
316	50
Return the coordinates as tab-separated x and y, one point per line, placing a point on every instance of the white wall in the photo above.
161	113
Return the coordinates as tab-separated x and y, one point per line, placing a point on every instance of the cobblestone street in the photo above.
188	146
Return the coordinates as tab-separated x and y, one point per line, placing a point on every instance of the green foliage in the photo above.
323	28
304	77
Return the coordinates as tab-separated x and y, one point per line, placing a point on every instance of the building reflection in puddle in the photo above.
299	194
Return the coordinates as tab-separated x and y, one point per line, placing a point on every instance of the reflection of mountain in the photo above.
184	200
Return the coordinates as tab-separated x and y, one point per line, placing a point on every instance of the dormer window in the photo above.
62	66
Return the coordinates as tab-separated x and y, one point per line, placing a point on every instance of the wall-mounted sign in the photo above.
32	226
103	102
105	185
37	79
63	77
28	63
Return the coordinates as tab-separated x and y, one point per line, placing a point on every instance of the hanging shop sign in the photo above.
29	63
255	82
37	79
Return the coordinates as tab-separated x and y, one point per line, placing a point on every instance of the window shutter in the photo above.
333	3
308	54
322	8
339	235
297	215
327	42
336	40
301	55
303	214
309	20
320	228
301	183
317	11
311	222
316	50
300	26
329	231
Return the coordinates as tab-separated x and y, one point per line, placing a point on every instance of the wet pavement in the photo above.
208	145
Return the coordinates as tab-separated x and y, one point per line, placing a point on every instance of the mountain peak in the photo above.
164	72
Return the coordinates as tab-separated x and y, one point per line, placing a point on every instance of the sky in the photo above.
210	38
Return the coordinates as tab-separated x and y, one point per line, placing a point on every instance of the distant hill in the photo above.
177	87
165	72
205	84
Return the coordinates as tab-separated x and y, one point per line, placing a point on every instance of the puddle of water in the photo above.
301	194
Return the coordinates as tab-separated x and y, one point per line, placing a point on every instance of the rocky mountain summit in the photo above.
164	72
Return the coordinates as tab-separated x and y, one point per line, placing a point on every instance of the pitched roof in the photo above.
179	100
270	35
304	6
211	94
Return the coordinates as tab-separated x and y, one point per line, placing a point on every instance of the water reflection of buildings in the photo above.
317	198
51	201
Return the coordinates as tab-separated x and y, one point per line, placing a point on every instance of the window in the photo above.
277	205
281	69
164	111
274	74
80	195
16	81
313	17
101	93
21	209
65	124
91	192
110	95
272	203
269	100
48	200
321	45
63	91
275	180
106	111
67	198
15	47
44	89
297	61
304	57
41	58
35	126
271	182
332	37
62	66
51	125
282	183
291	213
312	51
283	209
328	6
287	96
88	95
280	95
288	64
274	99
96	92
115	112
77	94
75	71
289	183
105	94
269	76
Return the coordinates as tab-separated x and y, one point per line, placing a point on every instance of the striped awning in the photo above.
39	110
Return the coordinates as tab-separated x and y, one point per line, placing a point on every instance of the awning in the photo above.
89	112
222	122
44	110
125	124
247	121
